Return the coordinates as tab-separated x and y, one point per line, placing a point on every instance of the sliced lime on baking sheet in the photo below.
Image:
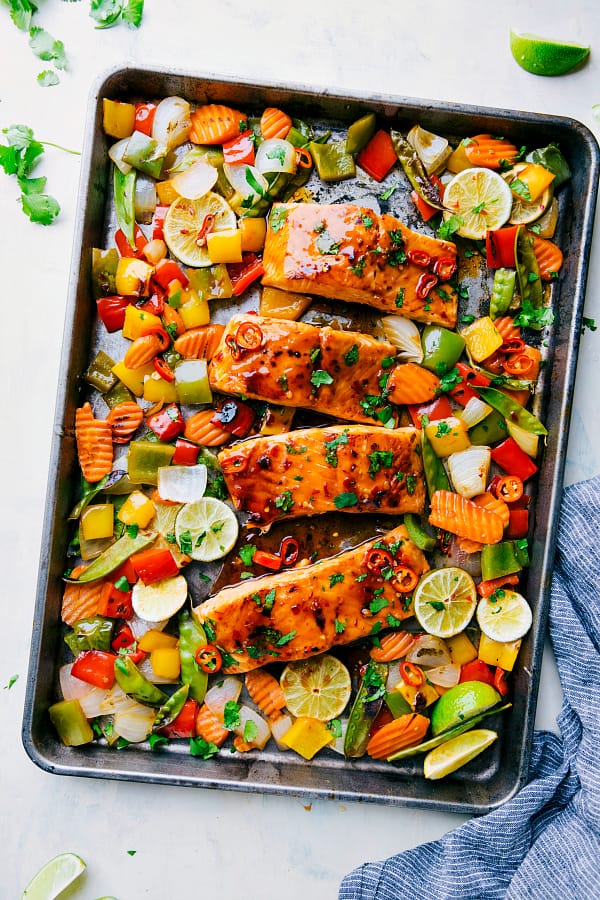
457	752
504	618
544	56
481	200
207	529
184	223
444	601
54	877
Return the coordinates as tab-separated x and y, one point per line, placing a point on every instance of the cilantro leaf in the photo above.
106	12
250	731
284	501
277	218
203	749
335	727
379	459
588	323
21	12
132	12
47	78
336	578
345	499
449	227
530	317
247	554
331	448
319	377
47	47
231	715
351	357
373	681
286	638
11	681
340	626
41	208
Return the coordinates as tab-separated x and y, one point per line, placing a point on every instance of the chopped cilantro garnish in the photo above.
378	604
345	499
284	501
331	448
379	459
389	191
340	627
530	317
319	377
203	749
247	554
286	638
367	221
449	227
442	429
326	245
351	357
250	729
283	382
185	542
336	578
373	682
231	715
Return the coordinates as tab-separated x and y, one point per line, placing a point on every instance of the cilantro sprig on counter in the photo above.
108	13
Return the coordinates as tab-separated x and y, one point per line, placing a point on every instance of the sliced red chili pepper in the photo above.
289	550
183	725
411	674
243	274
378	559
95	667
144	117
186	453
519	364
509	488
419	258
249	336
405	579
425	285
235	417
513	345
268	560
160	332
303	158
500	681
209	659
206	227
476	670
164	369
125	248
235	350
445	268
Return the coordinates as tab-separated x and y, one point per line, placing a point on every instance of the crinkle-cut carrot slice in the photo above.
199	343
171	317
201	430
495	505
411	383
214	124
274	123
505	326
485	150
549	257
142	350
265	691
241	745
124	419
80	601
209	728
402	732
460	516
94	444
392	646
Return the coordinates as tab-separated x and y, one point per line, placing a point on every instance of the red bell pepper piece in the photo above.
240	149
156	303
112	311
235	417
379	156
158	223
438	409
509	456
427	211
125	570
119	604
463	392
500	247
243	274
487	588
144	117
476	671
500	682
186	453
183	725
154	564
167	423
96	667
125	641
167	271
125	248
518	524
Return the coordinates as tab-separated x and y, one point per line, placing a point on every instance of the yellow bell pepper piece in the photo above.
137	510
282	304
166	192
224	246
448	436
165	662
157	640
537	179
496	653
253	232
118	119
427	694
458	161
134	378
98	521
483	338
136	322
175	293
461	649
194	310
133	277
307	736
156	388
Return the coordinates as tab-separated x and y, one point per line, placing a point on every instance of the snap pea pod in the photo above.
511	410
171	708
191	637
435	473
94	633
124	194
502	292
364	711
528	272
415	170
332	161
91	490
130	679
116	554
417	533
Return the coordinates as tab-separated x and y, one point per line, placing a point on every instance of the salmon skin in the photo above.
357	468
304	611
349	253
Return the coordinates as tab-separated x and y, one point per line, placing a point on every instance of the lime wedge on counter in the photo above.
457	752
542	56
53	878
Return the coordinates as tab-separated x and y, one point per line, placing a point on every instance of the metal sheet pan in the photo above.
478	787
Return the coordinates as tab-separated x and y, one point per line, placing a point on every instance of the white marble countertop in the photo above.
190	840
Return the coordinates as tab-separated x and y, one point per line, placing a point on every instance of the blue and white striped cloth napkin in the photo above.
545	842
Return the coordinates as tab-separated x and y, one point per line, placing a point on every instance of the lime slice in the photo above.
161	600
546	57
525	211
466	700
209	529
54	877
506	618
444	601
318	687
184	221
480	198
457	752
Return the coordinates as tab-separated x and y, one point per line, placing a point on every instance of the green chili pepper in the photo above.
99	372
169	711
332	161
441	348
528	272
191	637
115	555
552	159
117	394
124	193
144	460
360	133
511	410
417	533
364	711
415	170
94	633
397	705
498	560
489	430
91	490
145	154
136	685
104	270
502	292
69	720
435	473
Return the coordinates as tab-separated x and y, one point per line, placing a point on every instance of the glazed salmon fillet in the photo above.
349	253
293	614
357	468
341	373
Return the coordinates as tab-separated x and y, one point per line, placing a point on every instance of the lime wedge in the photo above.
444	601
465	701
209	529
456	753
53	878
542	56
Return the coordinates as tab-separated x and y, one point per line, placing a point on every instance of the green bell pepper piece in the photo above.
488	431
124	193
130	679
211	283
417	533
297	138
332	161
441	348
89	491
511	410
99	372
145	458
433	467
498	560
364	711
117	394
522	551
191	637
360	133
145	154
104	270
171	708
397	705
552	159
502	292
415	170
528	272
69	720
115	555
446	735
191	381
94	633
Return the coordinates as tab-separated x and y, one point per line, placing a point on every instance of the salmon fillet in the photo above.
293	614
349	253
315	470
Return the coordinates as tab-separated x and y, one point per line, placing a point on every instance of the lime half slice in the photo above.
457	752
480	198
207	529
318	687
444	601
54	877
542	56
504	618
184	224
